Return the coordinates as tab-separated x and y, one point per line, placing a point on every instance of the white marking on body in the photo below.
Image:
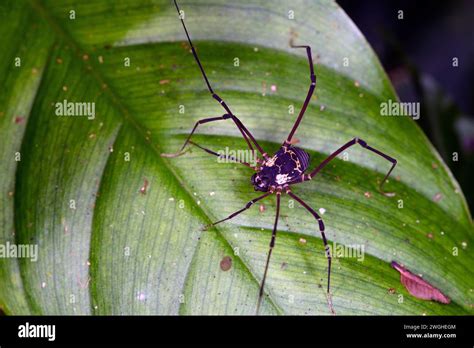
281	179
270	162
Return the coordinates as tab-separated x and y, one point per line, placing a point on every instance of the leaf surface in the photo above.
105	247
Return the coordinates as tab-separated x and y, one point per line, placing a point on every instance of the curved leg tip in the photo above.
172	155
331	307
257	311
206	227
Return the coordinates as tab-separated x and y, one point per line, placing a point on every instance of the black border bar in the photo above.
241	330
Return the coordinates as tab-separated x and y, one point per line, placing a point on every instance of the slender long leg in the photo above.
306	177
272	244
247	206
232	158
326	246
308	96
207	120
245	132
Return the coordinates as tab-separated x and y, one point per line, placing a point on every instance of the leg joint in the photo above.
360	142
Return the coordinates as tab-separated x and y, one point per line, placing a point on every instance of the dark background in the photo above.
417	52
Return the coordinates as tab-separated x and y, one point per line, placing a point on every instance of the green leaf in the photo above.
105	247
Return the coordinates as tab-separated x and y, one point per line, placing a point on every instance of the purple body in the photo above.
287	165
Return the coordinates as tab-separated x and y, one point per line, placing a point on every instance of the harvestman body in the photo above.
275	175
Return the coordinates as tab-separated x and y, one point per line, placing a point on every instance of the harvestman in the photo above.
287	167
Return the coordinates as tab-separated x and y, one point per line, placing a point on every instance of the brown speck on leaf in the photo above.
419	287
434	165
34	71
226	263
430	235
391	291
10	194
302	241
59	60
144	187
19	119
367	194
185	45
283	265
85	56
64	88
264	88
437	197
164	82
261	208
